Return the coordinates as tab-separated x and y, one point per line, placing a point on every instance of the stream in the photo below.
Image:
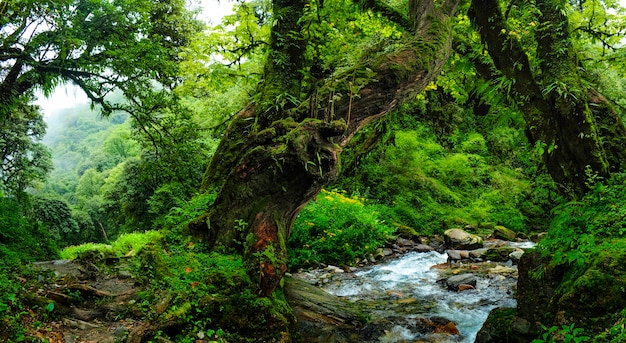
406	292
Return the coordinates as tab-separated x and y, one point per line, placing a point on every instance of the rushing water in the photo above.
407	288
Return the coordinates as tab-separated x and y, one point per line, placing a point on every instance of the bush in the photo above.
336	229
20	242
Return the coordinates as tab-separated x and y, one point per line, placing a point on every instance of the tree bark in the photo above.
273	160
575	128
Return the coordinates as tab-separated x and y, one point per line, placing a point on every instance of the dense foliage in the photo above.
487	143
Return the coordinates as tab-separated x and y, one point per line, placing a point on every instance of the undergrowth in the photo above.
336	229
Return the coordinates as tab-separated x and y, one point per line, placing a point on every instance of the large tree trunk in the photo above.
577	130
272	161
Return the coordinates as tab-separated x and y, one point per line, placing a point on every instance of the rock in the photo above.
380	253
455	281
465	287
499	253
478	253
469	227
124	274
461	240
436	325
536	237
387	252
404	242
448	328
334	269
121	332
423	248
79	324
323	317
501	232
500	269
453	255
516	255
497	328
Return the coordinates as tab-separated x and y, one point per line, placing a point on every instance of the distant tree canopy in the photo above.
98	45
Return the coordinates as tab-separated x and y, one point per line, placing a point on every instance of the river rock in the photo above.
462	240
323	317
436	325
516	255
501	232
333	269
478	253
453	255
423	248
498	253
455	281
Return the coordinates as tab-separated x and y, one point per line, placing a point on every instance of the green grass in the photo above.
130	243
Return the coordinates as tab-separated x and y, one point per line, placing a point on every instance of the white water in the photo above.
411	276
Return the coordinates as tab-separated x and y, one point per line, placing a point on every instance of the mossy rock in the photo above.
498	253
501	232
590	296
599	290
407	232
462	240
498	328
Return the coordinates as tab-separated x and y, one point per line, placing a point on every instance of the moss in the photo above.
598	289
500	253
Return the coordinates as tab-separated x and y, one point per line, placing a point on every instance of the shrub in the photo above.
336	229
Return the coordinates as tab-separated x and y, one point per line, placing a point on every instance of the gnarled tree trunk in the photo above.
273	160
578	130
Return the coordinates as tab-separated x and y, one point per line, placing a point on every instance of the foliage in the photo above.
565	333
98	45
580	228
23	159
21	241
125	244
56	215
336	229
421	184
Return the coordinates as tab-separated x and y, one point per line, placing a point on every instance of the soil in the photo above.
90	304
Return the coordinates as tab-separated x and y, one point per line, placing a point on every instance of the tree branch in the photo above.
387	11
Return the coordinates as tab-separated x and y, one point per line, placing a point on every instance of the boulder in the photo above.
453	283
516	255
323	317
499	253
462	240
501	232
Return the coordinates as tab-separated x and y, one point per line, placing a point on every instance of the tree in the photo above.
577	130
285	145
99	45
24	159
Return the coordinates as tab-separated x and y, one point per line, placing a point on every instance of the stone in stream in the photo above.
457	255
423	248
453	283
436	325
460	240
501	232
516	255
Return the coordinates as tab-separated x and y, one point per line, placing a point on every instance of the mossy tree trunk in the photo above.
278	152
577	130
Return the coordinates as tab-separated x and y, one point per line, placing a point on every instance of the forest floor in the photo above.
89	304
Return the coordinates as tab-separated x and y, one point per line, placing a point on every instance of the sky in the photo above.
68	95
